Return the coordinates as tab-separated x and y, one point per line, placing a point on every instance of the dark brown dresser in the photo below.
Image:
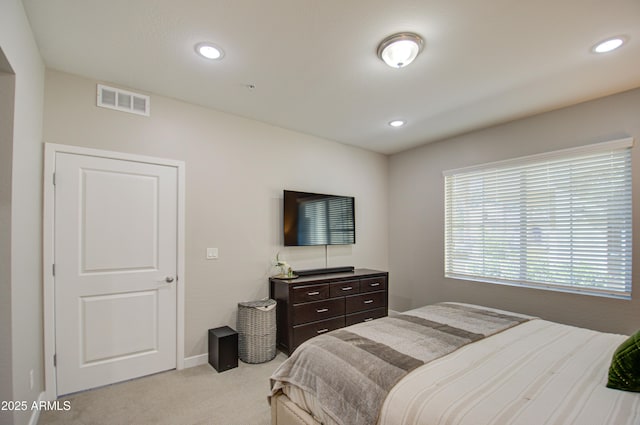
312	305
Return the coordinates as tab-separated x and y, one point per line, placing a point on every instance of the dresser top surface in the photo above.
329	277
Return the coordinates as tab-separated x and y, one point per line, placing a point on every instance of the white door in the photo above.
115	270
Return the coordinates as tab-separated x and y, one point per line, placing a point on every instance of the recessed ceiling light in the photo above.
399	50
397	123
209	51
608	45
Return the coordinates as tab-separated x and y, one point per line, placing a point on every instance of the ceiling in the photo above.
314	66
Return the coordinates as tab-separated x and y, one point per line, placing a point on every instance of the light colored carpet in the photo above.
198	395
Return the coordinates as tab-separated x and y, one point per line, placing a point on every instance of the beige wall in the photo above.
25	322
236	170
416	250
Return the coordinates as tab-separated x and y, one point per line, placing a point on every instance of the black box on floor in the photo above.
223	348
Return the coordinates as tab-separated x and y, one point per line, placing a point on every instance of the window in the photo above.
560	221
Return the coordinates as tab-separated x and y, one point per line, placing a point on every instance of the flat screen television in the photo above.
316	219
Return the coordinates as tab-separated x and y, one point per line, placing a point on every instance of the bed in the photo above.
453	363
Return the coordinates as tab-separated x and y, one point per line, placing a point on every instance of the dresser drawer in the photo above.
301	333
365	316
318	310
303	294
373	284
341	289
368	301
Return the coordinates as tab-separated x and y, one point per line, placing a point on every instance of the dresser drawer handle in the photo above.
375	284
313	293
321	331
368	301
368	319
347	288
322	310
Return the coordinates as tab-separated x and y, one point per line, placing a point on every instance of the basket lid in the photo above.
264	304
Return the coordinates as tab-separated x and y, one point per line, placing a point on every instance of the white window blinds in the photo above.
559	221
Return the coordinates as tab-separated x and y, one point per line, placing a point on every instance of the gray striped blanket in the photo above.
350	371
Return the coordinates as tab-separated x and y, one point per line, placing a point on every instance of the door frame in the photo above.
48	251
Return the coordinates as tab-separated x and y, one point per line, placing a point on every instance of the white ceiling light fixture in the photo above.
609	45
209	51
399	50
397	123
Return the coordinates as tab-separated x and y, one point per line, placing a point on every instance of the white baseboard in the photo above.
198	360
35	413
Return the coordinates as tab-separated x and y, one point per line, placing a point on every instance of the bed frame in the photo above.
286	412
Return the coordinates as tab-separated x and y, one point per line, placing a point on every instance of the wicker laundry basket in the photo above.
257	331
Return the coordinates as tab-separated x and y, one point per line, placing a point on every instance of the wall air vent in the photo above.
122	100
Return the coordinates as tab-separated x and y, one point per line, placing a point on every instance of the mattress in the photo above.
537	372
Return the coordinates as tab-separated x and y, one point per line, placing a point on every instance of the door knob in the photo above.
169	279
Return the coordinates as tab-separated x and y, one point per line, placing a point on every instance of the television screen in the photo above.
317	219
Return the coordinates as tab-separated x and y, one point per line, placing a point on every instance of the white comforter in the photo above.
536	373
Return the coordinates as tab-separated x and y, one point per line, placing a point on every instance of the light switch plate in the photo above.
212	253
